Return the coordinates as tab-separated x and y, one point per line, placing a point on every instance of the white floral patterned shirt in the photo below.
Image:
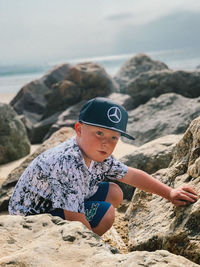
59	178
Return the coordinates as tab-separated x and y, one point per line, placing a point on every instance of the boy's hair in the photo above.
103	112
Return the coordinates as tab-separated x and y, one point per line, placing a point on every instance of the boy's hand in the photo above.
182	195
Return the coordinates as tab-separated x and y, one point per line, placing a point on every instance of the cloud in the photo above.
48	30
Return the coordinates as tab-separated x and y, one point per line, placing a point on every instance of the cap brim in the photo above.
110	128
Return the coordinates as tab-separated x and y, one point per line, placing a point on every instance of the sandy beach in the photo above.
6	98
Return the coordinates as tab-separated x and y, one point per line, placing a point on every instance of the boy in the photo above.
66	181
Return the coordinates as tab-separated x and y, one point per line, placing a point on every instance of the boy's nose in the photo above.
105	140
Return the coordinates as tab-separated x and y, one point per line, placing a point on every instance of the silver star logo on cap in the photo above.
114	114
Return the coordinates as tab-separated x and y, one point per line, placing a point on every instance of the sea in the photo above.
14	77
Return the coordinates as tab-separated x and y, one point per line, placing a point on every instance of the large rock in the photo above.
8	185
154	155
14	142
83	81
31	101
168	114
41	101
133	67
155	83
154	223
43	240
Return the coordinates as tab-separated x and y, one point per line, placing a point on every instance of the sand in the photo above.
6	98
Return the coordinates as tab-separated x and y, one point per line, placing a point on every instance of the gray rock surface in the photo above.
154	155
134	66
14	142
83	82
154	223
31	100
168	114
155	83
44	240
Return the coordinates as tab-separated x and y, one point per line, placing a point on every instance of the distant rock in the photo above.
8	185
168	114
31	101
155	223
133	67
43	240
155	83
83	82
14	142
41	101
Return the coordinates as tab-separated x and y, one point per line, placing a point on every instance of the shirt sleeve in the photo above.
117	169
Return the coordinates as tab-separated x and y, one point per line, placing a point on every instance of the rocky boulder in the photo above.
154	223
14	142
31	101
168	114
133	67
83	82
153	84
8	185
43	240
154	155
41	101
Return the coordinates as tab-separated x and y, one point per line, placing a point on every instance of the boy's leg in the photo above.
115	195
109	192
100	215
100	208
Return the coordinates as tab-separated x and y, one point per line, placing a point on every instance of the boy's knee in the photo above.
106	222
115	194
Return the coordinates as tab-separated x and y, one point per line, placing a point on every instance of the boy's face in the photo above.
96	143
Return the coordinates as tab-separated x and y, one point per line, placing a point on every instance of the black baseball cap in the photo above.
105	113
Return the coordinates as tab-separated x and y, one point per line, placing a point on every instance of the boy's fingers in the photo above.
189	190
180	203
191	195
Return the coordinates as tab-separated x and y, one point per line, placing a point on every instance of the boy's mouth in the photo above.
103	152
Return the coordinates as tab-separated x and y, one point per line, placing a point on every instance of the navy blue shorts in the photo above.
95	207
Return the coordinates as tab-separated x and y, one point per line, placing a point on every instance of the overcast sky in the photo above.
46	31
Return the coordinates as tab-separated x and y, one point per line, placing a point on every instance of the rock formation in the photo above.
44	240
62	87
136	65
155	83
154	223
168	114
14	142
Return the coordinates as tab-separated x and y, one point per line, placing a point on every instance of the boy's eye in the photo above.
115	138
99	133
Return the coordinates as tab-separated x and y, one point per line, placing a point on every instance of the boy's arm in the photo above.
75	216
140	179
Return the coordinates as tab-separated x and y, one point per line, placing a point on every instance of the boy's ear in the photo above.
78	127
